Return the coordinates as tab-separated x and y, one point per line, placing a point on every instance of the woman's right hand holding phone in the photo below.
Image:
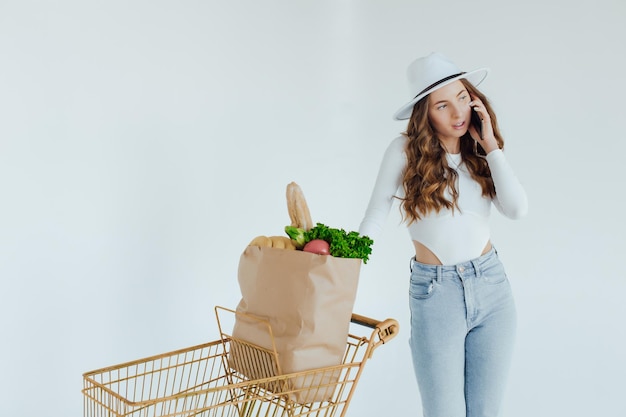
484	134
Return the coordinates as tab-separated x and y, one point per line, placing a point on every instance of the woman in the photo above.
446	170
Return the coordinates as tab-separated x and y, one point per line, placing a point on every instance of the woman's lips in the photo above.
459	125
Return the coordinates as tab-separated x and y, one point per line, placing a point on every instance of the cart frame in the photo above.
206	380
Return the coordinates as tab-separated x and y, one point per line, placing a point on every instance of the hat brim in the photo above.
475	77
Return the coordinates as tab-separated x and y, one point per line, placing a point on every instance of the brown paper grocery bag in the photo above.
308	301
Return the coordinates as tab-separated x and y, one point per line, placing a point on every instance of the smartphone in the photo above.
478	124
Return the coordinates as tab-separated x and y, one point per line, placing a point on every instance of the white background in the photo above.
143	144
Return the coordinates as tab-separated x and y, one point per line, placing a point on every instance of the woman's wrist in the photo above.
489	145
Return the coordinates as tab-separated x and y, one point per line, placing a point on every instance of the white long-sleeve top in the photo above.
453	236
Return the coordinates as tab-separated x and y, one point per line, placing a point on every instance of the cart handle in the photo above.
387	329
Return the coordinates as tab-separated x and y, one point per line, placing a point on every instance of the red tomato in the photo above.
319	246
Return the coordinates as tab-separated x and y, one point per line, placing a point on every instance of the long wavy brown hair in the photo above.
427	174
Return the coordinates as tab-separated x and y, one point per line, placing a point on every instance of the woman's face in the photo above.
449	111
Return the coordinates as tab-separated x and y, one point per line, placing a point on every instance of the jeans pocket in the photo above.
495	274
421	287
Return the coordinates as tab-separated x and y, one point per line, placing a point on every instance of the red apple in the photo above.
318	246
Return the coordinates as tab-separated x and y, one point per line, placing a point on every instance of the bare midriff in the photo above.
426	256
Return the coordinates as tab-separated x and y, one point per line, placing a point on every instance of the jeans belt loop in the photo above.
439	268
477	269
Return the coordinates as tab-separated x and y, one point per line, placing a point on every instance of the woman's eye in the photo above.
463	98
443	106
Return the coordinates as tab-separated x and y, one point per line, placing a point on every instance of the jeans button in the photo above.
461	268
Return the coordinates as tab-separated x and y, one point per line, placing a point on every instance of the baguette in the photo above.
297	207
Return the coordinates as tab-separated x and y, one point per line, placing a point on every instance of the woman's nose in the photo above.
458	110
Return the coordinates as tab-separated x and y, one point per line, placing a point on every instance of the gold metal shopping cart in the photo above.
214	379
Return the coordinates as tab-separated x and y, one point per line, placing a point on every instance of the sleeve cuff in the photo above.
495	156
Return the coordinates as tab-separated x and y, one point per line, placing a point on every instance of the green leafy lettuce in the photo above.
342	244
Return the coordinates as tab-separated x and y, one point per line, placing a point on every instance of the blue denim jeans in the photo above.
463	322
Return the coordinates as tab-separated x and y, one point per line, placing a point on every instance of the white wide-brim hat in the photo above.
429	73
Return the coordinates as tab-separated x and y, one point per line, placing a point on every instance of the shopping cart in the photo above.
218	379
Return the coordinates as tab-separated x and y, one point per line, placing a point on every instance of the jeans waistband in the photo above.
473	266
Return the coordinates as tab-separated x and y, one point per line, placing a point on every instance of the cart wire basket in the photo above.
231	378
